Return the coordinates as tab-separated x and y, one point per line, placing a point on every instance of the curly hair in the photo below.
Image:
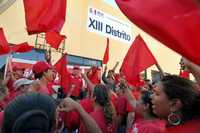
180	88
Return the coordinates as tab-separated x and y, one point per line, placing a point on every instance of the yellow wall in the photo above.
83	43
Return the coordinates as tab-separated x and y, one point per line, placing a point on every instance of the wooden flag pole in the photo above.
160	70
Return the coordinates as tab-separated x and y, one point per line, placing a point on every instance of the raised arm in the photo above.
131	99
116	65
90	125
193	68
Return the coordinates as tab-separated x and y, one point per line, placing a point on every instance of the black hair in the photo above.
146	100
29	113
102	98
39	75
176	87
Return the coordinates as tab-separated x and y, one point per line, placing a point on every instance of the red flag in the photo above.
94	75
4	47
173	22
44	15
21	48
54	39
137	59
184	74
61	67
106	54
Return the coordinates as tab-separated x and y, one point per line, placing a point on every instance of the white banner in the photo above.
104	24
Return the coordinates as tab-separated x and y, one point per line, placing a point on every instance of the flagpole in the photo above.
7	65
160	70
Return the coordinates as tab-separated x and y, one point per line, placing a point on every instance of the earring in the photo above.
174	119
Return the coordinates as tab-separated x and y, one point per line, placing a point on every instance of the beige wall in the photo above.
83	43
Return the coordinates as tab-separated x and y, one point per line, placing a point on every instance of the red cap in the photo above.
40	66
76	67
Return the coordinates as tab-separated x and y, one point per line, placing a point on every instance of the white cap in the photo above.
22	81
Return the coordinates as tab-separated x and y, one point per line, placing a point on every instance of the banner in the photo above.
106	25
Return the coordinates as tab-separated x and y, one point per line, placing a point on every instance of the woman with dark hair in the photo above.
177	101
103	112
145	120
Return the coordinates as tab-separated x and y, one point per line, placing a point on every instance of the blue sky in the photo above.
111	2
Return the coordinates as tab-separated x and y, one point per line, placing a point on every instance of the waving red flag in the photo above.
61	67
4	47
94	75
21	48
137	59
173	22
54	39
44	15
106	54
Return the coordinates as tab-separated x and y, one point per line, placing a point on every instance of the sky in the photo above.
111	2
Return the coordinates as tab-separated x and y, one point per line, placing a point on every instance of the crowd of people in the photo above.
95	102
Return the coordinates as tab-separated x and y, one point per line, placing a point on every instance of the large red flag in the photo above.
137	59
54	39
106	54
173	22
21	48
4	47
44	15
61	67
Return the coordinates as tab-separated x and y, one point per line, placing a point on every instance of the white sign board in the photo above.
104	24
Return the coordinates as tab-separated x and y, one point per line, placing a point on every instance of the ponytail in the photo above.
108	113
102	98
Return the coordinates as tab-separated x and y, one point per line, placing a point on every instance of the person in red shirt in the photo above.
145	120
121	105
103	112
176	100
21	86
76	84
72	119
11	77
44	73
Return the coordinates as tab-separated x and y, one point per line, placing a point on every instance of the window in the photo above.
36	55
32	55
82	61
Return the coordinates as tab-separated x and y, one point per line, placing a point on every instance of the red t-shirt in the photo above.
77	81
72	118
192	126
87	105
148	126
98	116
121	105
114	99
137	95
